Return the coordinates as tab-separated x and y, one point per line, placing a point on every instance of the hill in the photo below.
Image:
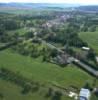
37	5
88	8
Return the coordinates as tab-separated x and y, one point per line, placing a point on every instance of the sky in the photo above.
87	2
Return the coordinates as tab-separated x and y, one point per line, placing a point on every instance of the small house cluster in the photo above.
62	59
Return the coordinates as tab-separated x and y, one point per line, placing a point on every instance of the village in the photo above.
48	53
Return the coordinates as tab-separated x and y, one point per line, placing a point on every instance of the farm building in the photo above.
84	94
86	48
97	59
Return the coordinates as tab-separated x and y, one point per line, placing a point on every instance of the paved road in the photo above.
72	59
83	65
52	46
86	67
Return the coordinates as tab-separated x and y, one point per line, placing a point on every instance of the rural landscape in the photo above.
48	51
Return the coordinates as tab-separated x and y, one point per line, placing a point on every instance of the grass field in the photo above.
37	70
26	11
91	38
42	71
20	31
12	92
15	10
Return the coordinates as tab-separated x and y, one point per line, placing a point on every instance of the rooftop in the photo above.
85	93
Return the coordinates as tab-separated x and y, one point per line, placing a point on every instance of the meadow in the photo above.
35	69
19	11
91	38
42	71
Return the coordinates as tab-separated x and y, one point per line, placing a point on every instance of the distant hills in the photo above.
50	5
37	5
88	8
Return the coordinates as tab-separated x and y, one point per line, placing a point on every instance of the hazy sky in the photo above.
55	1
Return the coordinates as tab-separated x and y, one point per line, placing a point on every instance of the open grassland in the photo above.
26	11
91	38
43	72
21	31
15	10
13	92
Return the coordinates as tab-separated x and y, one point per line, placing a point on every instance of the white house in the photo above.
97	59
84	94
86	48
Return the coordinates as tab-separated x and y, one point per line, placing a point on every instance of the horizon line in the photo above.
51	3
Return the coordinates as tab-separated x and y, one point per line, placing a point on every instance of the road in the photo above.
52	46
86	67
72	59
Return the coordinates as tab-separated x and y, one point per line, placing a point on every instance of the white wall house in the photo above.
86	48
84	94
97	59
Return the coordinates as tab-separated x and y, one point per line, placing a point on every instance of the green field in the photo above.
12	92
91	38
22	66
43	72
16	10
21	31
26	11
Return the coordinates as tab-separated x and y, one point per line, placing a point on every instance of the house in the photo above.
62	59
84	94
86	48
97	59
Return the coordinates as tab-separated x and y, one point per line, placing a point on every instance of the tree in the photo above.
53	53
29	34
26	89
2	30
87	85
94	82
1	96
57	95
91	55
11	24
93	28
15	36
49	93
84	29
